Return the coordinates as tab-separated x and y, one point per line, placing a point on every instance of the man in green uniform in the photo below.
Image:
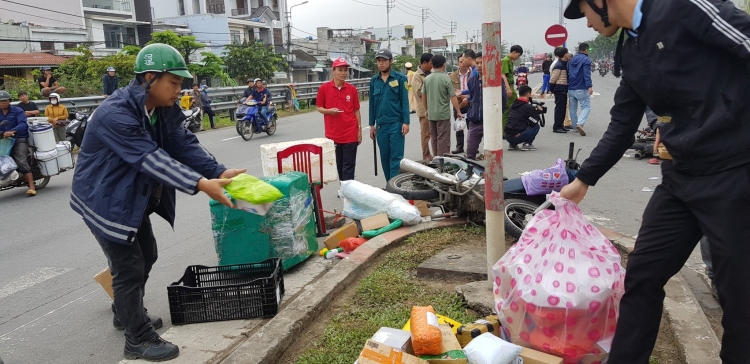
516	52
389	113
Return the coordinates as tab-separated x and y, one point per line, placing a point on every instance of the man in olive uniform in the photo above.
389	113
134	157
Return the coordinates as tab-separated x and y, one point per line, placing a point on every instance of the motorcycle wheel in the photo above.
194	127
271	128
411	187
248	129
518	213
238	126
41	182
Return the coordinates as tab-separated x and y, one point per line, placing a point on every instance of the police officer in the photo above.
705	189
389	113
134	157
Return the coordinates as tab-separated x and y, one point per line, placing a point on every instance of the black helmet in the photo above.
384	53
250	80
572	11
4	95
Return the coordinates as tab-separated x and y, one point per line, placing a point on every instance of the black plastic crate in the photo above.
227	292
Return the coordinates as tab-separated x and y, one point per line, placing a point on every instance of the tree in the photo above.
82	74
369	62
400	61
251	60
602	46
211	67
187	45
418	50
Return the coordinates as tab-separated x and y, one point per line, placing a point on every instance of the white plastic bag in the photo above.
490	349
558	289
362	201
7	166
459	124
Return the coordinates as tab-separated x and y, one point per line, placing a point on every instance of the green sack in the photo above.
248	188
369	234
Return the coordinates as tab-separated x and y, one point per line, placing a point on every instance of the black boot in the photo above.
152	349
155	321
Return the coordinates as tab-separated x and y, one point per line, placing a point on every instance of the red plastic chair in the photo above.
302	162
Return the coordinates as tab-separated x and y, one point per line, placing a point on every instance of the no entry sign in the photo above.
556	35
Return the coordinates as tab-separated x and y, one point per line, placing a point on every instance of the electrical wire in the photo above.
408	13
364	3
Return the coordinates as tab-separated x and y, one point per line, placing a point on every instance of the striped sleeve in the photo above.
123	134
718	23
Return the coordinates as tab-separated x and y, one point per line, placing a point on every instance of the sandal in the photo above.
31	193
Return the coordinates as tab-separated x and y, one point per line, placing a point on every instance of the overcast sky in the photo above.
524	21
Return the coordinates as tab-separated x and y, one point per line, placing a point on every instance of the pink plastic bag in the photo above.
558	289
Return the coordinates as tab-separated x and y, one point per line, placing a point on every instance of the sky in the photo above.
523	21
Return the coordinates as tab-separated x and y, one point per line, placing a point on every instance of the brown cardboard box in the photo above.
468	332
377	353
375	222
452	352
424	209
349	230
395	338
105	280
531	356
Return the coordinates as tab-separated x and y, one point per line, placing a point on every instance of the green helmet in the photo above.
159	57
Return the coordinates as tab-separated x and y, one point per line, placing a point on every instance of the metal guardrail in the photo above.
224	98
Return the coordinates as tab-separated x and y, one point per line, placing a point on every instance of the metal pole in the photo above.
493	131
289	41
562	19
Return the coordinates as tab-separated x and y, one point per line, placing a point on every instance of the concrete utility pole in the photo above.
493	133
425	16
389	4
454	25
289	39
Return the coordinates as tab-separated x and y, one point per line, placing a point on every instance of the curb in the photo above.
696	340
270	342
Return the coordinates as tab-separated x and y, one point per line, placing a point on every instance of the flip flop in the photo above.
653	161
31	193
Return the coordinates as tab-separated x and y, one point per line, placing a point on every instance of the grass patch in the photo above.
386	296
223	120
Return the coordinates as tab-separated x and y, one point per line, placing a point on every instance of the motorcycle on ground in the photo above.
249	121
193	121
456	185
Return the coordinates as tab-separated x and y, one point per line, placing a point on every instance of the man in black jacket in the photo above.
546	65
523	121
705	187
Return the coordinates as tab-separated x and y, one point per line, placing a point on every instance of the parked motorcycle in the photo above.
193	121
77	126
456	185
252	123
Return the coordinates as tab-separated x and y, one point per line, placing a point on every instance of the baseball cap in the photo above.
340	62
46	68
384	53
572	11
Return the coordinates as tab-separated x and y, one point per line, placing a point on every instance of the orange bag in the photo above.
426	338
349	244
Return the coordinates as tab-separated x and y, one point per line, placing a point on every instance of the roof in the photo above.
368	40
301	55
258	12
30	60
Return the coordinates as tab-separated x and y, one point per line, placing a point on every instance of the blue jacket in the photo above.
389	101
476	112
123	157
109	84
206	100
17	121
579	72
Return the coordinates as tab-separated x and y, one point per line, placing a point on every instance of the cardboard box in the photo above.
374	223
105	280
468	332
349	230
531	356
377	353
424	210
452	352
397	339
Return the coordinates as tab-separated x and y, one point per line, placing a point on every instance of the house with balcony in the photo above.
217	23
401	39
330	44
113	24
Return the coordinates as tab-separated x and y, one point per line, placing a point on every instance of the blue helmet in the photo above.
110	69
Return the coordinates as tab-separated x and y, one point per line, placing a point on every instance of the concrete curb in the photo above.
696	341
268	344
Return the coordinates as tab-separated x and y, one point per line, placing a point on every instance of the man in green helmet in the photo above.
134	156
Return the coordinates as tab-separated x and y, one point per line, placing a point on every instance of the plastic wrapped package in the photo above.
426	338
544	181
558	289
7	166
490	349
9	179
287	231
362	201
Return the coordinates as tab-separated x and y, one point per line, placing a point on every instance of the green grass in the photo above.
223	121
385	298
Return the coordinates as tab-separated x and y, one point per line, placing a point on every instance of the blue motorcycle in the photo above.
250	122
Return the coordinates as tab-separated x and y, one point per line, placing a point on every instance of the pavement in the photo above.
48	257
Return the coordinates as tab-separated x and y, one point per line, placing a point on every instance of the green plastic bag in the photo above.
369	234
248	188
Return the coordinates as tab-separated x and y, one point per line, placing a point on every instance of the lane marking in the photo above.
47	314
29	280
223	140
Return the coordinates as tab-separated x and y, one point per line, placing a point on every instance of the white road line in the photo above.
29	280
223	140
4	337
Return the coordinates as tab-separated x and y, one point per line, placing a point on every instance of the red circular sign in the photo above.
556	35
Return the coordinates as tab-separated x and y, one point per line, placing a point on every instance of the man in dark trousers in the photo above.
706	129
475	117
110	82
559	85
135	156
545	78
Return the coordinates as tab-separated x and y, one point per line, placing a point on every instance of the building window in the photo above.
67	45
275	4
278	37
181	6
235	36
215	6
196	7
250	35
47	46
261	3
116	36
409	33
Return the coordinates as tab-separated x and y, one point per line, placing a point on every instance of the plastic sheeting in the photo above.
362	201
7	166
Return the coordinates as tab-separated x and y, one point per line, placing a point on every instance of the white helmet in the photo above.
408	65
55	95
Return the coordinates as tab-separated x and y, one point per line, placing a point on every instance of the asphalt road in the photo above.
51	310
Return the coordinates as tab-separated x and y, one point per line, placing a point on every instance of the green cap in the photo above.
159	57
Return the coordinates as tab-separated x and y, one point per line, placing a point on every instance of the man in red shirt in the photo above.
338	101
